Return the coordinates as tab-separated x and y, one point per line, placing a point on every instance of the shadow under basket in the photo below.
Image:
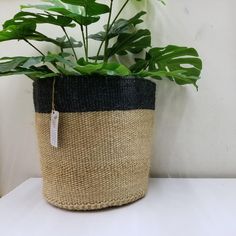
104	140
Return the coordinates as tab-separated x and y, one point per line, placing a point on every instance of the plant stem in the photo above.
84	42
62	51
63	28
48	39
118	14
107	32
54	64
34	47
86	33
99	50
87	41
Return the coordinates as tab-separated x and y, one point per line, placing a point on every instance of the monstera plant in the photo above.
97	154
119	37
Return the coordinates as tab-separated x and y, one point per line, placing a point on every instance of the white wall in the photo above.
195	133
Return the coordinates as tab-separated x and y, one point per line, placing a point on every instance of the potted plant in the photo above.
94	114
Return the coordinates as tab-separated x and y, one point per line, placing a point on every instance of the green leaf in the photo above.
32	74
61	57
24	31
15	66
28	62
92	8
56	3
35	67
126	26
66	71
30	65
114	69
157	74
80	19
131	42
44	7
174	58
140	64
11	63
100	36
120	26
21	31
64	43
88	69
24	17
32	61
41	72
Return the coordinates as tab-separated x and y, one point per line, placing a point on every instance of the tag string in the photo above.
53	94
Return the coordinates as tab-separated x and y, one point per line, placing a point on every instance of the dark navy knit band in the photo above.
94	93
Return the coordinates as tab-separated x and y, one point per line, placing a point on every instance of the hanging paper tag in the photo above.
54	128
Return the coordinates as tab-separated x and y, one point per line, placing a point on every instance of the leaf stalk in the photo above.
73	49
109	26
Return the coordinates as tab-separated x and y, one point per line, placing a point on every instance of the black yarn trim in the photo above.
94	93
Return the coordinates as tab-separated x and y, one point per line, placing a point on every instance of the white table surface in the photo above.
173	207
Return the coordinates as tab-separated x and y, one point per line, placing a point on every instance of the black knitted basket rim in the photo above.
94	93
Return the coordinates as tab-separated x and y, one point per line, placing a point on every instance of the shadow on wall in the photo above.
171	105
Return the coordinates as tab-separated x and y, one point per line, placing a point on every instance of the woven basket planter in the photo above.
105	139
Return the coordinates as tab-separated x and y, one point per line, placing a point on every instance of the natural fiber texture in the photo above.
103	158
105	133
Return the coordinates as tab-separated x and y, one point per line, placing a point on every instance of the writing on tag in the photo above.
54	128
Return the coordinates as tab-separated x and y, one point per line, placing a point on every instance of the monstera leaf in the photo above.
18	32
119	26
112	68
24	31
37	66
125	26
24	65
174	58
179	64
131	42
11	63
65	10
89	68
39	18
80	19
91	7
64	43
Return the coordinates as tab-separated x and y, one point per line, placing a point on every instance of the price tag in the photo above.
54	128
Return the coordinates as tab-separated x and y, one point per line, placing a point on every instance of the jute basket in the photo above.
105	139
